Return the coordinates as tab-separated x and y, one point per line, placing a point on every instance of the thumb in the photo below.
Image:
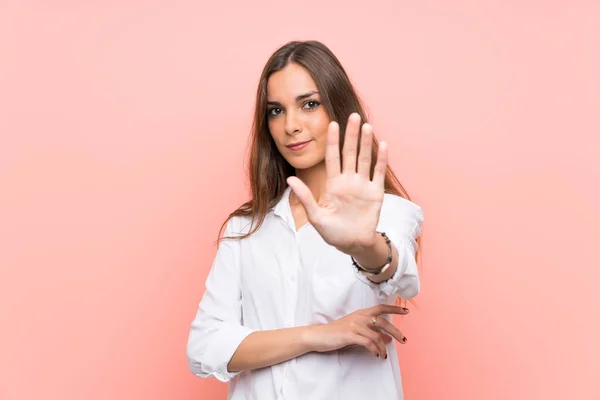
305	197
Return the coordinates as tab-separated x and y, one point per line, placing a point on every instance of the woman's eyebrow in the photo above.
298	98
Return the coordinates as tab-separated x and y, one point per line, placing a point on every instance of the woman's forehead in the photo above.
291	81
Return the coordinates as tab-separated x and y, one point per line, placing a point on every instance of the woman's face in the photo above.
297	120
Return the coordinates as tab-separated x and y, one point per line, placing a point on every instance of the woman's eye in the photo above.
312	104
274	111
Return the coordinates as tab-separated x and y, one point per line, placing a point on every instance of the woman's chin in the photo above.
301	163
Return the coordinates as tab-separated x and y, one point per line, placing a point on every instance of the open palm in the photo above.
347	214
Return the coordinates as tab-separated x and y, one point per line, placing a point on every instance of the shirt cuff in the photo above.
223	345
405	281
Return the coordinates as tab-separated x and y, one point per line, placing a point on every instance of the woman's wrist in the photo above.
309	337
372	257
375	257
390	271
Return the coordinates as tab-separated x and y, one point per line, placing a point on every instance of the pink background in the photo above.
124	127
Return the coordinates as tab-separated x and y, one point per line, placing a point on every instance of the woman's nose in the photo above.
292	124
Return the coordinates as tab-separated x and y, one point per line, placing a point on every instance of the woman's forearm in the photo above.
265	348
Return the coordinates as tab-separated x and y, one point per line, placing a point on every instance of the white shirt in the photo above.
279	277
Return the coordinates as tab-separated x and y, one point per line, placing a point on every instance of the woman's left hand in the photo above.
347	214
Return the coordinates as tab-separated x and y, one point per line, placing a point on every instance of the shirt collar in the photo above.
282	207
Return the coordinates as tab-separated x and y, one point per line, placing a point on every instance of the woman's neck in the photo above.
315	178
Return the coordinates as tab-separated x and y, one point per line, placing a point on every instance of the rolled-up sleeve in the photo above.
217	330
401	220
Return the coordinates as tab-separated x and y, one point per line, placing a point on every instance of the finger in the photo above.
387	326
381	165
365	342
387	339
350	144
305	197
332	152
386	309
375	337
364	155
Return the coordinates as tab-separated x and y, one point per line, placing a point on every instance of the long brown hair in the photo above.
267	169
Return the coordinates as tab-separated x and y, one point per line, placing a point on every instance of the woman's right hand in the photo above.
357	328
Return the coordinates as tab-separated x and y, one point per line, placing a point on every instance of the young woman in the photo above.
298	301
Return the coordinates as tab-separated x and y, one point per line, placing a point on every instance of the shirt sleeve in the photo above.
401	220
217	330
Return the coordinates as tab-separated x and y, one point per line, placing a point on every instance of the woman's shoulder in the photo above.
394	205
238	225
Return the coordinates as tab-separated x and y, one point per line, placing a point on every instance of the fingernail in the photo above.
377	354
385	357
404	339
405	309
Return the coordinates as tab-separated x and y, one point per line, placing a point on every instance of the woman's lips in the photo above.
298	146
